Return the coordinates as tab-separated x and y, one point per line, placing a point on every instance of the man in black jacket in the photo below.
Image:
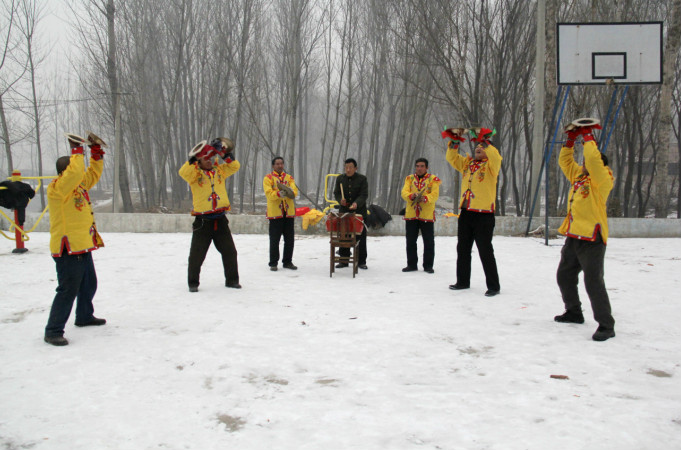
353	198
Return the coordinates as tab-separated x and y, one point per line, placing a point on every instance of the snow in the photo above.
298	360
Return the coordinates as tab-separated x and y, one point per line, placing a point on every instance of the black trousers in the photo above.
279	227
479	228
577	256
427	230
361	249
77	281
217	231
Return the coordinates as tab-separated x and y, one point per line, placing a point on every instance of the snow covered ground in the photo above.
298	360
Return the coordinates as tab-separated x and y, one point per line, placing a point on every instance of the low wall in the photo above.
249	224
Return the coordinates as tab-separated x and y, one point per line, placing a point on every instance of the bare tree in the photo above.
318	81
96	31
31	13
12	69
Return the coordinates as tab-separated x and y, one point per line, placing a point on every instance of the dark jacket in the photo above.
16	196
355	189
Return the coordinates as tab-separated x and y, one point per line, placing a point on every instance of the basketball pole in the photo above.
607	116
543	161
547	173
614	120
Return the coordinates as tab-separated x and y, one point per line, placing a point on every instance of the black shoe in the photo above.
409	269
429	270
457	287
273	268
603	334
341	265
58	341
362	266
492	292
193	289
290	266
233	285
92	322
570	316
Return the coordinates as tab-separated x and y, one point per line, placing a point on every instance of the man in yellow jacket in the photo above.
421	190
586	228
280	189
208	184
73	236
478	200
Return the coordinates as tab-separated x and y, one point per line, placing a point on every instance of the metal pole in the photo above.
607	116
117	151
548	172
614	120
543	160
18	238
539	94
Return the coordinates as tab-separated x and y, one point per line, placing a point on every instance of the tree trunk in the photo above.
671	54
551	90
5	138
124	184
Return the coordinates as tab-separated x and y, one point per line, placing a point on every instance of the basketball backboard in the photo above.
599	53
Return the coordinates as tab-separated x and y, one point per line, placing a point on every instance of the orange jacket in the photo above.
278	204
478	179
586	215
72	223
209	187
430	186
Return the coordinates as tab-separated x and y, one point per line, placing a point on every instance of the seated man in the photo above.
352	191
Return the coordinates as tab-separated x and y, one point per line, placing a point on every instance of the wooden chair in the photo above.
343	235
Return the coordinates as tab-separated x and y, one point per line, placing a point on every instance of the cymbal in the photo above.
227	143
76	139
94	139
458	131
583	122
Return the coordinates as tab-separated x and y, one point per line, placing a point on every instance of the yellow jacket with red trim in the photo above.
72	223
209	188
278	204
478	178
429	184
587	213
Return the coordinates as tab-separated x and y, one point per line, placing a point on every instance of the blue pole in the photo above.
548	172
607	116
541	169
614	120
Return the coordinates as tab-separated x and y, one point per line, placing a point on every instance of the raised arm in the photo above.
453	157
493	159
599	173
73	175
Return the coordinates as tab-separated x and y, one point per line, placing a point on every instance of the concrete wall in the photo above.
248	224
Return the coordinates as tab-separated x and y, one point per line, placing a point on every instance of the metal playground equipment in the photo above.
21	235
